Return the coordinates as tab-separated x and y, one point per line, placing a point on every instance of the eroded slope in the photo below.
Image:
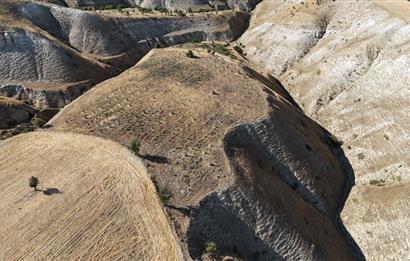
97	202
231	150
168	4
53	54
346	63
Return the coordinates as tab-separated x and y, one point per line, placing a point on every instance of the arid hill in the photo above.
245	167
211	95
96	201
347	64
55	53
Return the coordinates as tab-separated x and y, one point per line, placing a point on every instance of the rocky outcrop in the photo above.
108	36
245	168
13	112
46	95
33	57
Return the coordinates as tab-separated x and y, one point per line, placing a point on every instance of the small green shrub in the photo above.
135	146
360	156
164	195
144	10
238	49
190	54
217	48
210	247
161	9
37	122
180	13
335	140
377	182
33	182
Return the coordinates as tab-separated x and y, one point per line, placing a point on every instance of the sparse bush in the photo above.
210	247
190	54
377	182
144	10
238	49
164	195
202	10
360	156
180	13
37	122
161	9
135	146
335	140
217	48
33	182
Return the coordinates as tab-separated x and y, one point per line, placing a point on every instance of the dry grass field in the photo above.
96	202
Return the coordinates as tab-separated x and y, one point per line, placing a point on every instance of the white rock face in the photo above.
169	4
346	63
32	57
57	46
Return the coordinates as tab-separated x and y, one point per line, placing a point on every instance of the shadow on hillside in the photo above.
155	158
219	223
185	211
231	219
52	191
336	147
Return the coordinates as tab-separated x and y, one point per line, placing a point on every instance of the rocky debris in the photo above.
14	112
349	72
244	169
46	95
47	114
33	57
19	129
17	117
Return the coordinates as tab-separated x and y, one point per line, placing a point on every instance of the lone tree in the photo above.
135	146
33	182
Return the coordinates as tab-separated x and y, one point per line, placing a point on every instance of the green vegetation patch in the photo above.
186	73
217	48
210	248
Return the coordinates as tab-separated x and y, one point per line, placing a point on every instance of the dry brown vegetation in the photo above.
96	201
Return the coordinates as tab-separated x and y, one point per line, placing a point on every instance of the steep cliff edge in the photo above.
346	64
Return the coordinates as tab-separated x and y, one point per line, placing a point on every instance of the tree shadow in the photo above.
155	158
189	211
51	191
